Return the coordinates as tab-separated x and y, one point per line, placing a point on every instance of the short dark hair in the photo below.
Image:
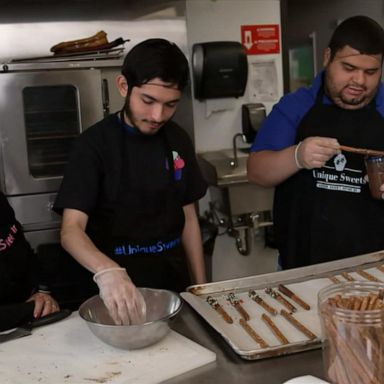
359	32
155	58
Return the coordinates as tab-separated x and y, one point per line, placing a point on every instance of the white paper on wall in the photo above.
262	81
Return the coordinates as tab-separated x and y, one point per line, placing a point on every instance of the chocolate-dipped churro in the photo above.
236	303
347	276
255	297
334	279
296	323
276	295
273	327
368	276
251	332
287	292
219	309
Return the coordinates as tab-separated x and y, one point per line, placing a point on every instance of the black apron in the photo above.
144	227
328	214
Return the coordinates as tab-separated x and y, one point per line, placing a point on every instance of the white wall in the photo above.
33	39
209	20
36	38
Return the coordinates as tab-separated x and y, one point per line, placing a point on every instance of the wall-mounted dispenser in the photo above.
252	115
220	69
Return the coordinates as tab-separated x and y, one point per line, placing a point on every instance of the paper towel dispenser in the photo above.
220	69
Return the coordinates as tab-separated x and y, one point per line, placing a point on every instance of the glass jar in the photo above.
352	319
375	171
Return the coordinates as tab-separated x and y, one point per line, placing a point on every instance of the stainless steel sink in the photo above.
242	203
218	169
239	195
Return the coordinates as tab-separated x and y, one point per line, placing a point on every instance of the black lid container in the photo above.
220	69
252	116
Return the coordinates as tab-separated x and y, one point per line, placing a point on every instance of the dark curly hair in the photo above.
155	58
359	32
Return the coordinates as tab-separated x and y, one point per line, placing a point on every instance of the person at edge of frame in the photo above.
323	210
19	273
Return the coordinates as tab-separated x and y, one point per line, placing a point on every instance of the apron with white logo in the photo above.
327	214
143	230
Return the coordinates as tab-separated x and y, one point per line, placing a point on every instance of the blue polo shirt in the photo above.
278	130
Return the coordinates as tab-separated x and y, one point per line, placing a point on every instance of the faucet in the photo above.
235	162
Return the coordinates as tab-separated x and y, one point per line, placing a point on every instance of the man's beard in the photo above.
348	103
128	113
352	102
131	117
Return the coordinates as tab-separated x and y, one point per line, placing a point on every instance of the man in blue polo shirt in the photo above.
323	210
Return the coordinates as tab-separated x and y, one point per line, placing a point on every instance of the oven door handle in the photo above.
105	96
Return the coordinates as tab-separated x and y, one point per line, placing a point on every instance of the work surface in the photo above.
229	368
67	352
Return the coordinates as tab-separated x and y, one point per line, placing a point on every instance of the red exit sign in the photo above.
260	39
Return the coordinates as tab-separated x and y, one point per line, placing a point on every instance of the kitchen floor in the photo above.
228	263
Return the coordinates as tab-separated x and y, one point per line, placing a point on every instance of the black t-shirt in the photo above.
18	264
92	178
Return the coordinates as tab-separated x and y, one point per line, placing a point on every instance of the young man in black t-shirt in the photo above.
129	191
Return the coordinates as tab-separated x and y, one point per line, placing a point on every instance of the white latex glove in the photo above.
123	300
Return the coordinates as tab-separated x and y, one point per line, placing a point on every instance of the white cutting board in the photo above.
67	352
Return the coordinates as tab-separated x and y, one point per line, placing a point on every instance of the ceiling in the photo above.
18	11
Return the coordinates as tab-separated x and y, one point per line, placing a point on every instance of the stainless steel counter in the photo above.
230	368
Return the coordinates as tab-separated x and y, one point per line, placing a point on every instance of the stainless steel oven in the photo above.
41	113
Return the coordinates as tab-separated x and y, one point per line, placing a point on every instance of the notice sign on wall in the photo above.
260	39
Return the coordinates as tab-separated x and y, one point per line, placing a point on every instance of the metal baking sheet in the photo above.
305	282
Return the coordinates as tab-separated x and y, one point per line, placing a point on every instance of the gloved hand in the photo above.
123	300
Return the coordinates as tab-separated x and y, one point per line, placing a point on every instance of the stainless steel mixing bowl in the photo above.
162	306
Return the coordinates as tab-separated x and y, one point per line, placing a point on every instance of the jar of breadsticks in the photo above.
352	317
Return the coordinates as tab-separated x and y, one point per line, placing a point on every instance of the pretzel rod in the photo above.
372	301
368	276
357	303
267	320
362	151
236	303
365	303
334	279
338	371
357	343
287	292
296	323
219	309
244	314
276	295
347	276
255	297
380	268
251	332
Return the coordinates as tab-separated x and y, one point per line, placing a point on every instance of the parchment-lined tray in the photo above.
304	282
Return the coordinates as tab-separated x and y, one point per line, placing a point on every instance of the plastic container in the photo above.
375	171
353	332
